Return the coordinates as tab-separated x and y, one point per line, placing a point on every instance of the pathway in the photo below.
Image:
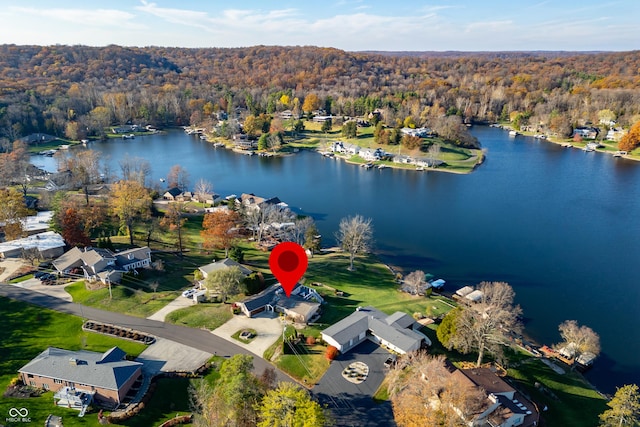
176	304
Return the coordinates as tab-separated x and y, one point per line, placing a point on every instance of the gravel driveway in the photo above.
267	325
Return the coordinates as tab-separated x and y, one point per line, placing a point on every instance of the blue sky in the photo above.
468	25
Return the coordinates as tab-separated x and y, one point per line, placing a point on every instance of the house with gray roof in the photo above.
107	376
221	265
397	332
301	306
102	264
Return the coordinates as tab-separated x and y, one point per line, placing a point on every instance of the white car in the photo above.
188	293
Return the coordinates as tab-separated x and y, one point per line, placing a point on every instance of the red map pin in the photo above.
288	262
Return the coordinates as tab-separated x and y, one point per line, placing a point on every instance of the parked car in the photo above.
188	293
39	274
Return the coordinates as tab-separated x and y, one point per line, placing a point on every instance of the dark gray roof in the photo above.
224	263
133	255
174	191
261	299
393	328
105	370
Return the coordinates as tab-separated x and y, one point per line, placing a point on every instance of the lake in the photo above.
560	225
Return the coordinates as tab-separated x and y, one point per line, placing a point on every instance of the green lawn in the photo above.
25	331
135	302
571	401
236	336
208	316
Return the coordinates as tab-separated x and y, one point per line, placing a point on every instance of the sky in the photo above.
411	25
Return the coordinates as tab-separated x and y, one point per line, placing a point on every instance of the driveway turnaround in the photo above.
36	285
268	329
352	404
174	305
169	356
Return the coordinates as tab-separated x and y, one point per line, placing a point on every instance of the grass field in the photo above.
135	302
27	330
569	398
208	316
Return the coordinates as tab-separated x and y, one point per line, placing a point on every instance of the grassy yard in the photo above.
570	399
135	302
27	330
208	316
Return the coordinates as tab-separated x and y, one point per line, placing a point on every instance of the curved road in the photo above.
196	338
348	408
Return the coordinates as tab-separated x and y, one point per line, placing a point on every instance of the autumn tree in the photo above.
578	339
631	140
355	236
130	202
625	408
311	103
73	231
178	177
174	220
424	392
486	326
225	282
218	230
290	405
13	211
415	282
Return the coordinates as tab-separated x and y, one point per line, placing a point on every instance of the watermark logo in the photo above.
18	415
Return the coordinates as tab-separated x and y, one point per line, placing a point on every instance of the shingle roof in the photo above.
393	328
136	254
224	263
105	370
68	259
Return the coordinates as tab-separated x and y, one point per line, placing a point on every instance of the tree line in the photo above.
78	91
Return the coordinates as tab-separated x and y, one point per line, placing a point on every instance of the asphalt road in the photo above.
196	338
349	405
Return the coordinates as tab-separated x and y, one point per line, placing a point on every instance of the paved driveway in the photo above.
352	404
267	325
37	286
174	305
169	356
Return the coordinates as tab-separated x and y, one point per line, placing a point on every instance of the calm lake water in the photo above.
560	225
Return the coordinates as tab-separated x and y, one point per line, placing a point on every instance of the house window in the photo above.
57	381
32	383
45	386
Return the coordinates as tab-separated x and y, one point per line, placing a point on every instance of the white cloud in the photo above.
86	17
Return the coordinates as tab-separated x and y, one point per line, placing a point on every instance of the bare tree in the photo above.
415	282
178	177
202	189
297	232
85	170
355	236
135	169
434	153
487	325
577	339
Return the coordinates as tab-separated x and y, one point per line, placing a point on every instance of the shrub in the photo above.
331	353
311	340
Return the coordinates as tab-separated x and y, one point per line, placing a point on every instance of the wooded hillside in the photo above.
49	88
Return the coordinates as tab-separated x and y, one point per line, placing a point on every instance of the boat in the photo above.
619	153
203	137
162	179
513	133
130	136
64	147
382	166
366	165
420	168
218	144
